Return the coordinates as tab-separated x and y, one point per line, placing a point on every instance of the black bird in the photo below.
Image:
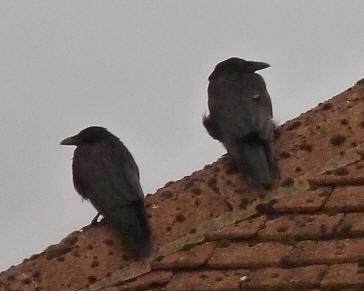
241	117
105	173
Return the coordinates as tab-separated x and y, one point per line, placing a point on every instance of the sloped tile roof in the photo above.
214	232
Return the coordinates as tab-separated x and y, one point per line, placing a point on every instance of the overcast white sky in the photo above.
140	69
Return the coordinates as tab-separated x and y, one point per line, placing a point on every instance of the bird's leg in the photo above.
94	220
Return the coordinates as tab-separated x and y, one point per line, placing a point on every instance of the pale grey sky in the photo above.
140	69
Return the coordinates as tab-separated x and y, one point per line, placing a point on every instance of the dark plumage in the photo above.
241	117
105	173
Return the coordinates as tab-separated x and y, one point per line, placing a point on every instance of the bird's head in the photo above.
236	65
88	135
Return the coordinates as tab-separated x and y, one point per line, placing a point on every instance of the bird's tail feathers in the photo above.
255	160
132	222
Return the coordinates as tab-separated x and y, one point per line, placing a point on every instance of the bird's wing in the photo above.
240	107
211	127
107	175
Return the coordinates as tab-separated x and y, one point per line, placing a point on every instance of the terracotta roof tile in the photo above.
154	278
231	185
346	198
189	258
248	255
111	289
338	181
300	227
215	280
343	276
96	252
316	128
302	278
240	230
352	225
181	213
325	252
306	201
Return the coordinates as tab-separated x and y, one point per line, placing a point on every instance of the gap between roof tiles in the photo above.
338	224
301	183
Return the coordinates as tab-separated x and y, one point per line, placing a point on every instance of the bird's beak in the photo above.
72	140
256	66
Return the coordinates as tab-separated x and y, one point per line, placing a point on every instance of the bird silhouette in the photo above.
105	173
241	117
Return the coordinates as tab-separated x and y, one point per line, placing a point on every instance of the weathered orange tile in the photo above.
207	280
346	198
307	201
325	252
240	230
78	260
301	278
352	225
337	181
173	217
318	128
342	276
300	227
154	278
245	255
192	258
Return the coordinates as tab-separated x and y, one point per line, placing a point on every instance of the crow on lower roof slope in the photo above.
105	173
241	117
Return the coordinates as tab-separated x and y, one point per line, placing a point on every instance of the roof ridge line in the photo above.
301	183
